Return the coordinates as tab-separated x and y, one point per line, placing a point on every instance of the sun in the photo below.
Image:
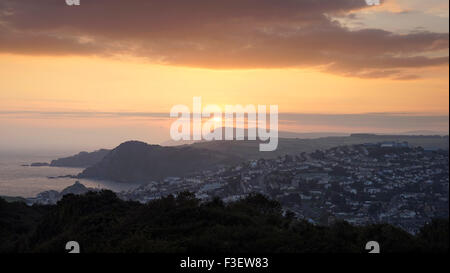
217	119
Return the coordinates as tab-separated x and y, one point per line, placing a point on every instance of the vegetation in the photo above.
101	222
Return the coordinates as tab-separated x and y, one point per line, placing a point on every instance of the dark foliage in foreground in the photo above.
101	222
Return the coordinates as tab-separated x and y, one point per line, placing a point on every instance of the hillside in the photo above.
80	160
135	161
101	222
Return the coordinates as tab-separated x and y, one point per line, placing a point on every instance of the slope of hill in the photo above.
101	222
140	162
81	160
135	161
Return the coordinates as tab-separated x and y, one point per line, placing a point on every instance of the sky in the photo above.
94	75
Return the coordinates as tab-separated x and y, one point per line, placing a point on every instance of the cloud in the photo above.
391	121
82	114
232	34
384	122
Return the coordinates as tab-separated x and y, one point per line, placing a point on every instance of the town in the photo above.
370	183
387	182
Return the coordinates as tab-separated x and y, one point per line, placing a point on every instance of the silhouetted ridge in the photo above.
135	161
80	160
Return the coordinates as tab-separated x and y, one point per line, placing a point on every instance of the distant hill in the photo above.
250	149
425	133
289	143
136	161
281	134
81	160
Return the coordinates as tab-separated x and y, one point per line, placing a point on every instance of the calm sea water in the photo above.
17	180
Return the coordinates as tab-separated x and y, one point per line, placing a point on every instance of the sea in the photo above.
27	181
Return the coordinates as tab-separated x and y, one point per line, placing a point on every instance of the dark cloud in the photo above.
218	34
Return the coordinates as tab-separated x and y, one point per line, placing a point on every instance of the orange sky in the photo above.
64	70
105	85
